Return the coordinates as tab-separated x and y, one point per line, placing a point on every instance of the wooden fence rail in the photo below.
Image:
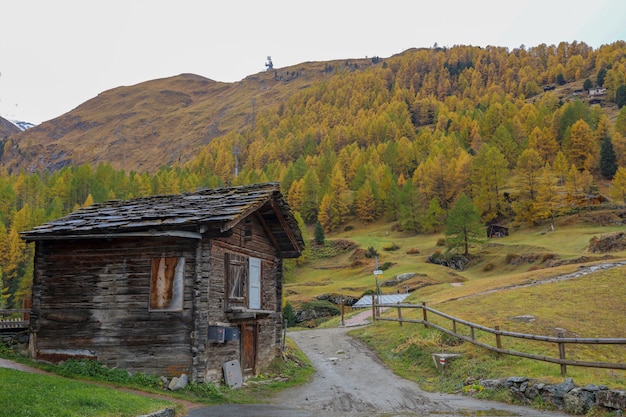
14	318
559	341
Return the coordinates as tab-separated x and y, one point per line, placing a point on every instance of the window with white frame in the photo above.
243	281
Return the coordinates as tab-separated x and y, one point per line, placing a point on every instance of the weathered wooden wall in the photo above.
92	296
268	325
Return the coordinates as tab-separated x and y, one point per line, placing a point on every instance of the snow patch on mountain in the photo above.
23	125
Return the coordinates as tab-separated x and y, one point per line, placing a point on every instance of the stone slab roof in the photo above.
216	209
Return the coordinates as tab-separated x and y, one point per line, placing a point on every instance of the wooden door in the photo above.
248	347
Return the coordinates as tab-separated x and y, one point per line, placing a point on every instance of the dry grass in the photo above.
159	122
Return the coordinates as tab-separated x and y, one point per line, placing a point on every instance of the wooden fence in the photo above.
14	319
498	334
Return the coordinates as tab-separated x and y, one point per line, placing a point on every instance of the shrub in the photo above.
289	315
511	258
205	390
322	306
371	252
391	248
441	241
488	267
385	266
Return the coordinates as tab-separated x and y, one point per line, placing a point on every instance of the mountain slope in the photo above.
7	128
158	122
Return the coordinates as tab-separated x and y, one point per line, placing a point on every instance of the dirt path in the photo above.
352	381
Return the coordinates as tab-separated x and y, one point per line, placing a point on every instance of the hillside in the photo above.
157	122
353	143
7	129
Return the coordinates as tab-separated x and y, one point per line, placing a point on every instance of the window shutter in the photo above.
255	284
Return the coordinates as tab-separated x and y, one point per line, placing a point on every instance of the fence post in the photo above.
343	323
454	326
284	341
373	307
400	315
472	332
424	314
498	341
562	354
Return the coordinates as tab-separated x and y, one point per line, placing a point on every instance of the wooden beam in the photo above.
245	213
268	231
283	222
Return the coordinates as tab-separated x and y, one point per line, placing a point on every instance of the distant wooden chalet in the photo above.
496	230
165	284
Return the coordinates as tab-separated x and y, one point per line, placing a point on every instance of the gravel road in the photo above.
351	381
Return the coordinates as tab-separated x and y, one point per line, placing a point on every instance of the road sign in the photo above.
378	272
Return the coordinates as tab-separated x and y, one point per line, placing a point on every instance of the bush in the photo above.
205	390
391	248
289	315
385	266
511	258
488	267
441	241
322	306
371	252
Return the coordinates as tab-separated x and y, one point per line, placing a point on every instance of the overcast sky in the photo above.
57	54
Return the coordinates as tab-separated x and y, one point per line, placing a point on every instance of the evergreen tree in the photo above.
365	203
489	175
463	225
600	77
608	160
310	191
392	202
620	96
318	234
289	315
409	207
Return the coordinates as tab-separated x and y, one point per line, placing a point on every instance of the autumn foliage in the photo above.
400	139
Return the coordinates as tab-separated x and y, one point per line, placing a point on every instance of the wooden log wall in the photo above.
93	296
252	243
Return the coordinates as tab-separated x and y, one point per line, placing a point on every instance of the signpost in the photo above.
377	272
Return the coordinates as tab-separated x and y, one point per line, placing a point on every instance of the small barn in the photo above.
496	230
165	284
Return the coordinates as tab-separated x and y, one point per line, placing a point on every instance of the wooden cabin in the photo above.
165	284
496	230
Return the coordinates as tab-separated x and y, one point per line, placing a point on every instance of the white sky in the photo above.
57	54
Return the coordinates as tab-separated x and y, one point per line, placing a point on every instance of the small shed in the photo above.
165	284
496	230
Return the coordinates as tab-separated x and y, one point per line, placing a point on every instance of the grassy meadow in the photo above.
492	291
39	395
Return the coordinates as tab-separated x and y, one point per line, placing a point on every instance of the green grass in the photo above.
34	395
89	389
591	306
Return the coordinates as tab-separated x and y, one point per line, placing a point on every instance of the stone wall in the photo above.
565	396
